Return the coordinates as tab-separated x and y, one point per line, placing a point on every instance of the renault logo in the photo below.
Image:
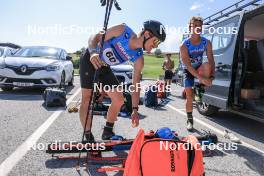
23	68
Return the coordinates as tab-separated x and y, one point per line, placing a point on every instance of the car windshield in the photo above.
47	52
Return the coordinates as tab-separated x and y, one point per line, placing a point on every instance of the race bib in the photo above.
109	57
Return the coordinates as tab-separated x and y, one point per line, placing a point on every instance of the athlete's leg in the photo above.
166	83
166	78
188	84
170	79
189	107
86	96
117	100
107	78
86	78
101	97
189	99
169	82
205	70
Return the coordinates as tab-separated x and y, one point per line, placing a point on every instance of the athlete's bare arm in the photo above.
210	57
138	66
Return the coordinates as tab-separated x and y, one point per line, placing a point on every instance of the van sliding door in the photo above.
224	44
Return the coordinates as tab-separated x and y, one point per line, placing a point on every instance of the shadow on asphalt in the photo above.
208	152
246	127
22	94
27	94
213	153
141	116
91	168
161	104
178	96
253	160
53	108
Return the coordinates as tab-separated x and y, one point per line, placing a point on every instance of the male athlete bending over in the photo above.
121	45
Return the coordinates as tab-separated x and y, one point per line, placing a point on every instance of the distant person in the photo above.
192	50
168	66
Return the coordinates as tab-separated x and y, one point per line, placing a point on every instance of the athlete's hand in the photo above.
135	119
205	81
96	61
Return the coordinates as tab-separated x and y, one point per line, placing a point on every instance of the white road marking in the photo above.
180	111
224	99
7	165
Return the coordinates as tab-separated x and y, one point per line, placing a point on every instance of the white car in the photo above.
36	66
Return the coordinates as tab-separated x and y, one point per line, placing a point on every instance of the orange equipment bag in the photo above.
162	157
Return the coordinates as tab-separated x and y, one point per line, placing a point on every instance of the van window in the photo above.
208	36
221	41
224	33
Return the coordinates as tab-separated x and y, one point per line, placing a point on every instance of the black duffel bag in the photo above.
54	97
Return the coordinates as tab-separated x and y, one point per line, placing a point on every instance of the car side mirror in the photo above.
68	58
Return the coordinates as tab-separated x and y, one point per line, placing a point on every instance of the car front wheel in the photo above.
72	80
7	88
62	83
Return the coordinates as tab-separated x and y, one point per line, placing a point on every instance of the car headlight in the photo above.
52	67
2	65
129	75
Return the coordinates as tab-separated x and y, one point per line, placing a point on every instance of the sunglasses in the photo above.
156	43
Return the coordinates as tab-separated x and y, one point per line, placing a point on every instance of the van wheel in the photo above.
206	109
62	83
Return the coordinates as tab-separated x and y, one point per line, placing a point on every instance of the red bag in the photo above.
132	164
161	89
148	158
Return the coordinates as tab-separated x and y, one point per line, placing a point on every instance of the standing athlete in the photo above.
168	66
121	45
192	50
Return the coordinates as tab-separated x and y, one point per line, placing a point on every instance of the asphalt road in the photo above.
25	121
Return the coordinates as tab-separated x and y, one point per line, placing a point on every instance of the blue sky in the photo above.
20	20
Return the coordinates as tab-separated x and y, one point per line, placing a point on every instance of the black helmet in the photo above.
156	28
